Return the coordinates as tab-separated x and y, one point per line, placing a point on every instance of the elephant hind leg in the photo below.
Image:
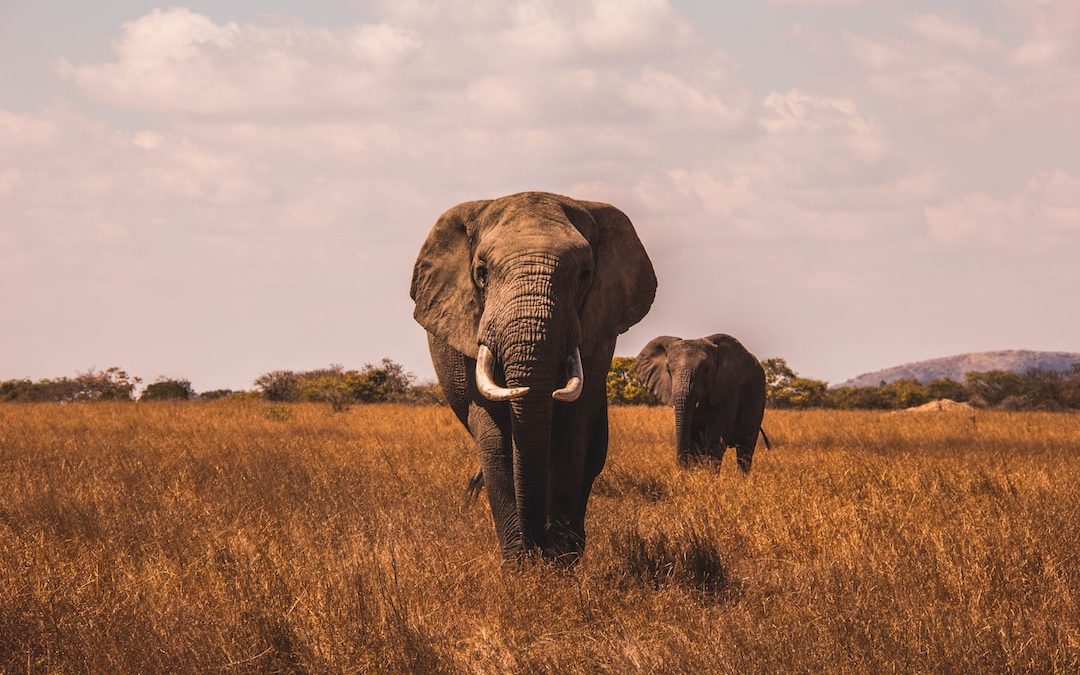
744	455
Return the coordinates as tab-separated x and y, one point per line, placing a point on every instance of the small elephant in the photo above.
717	389
522	298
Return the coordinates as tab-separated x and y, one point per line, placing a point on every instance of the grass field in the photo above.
249	537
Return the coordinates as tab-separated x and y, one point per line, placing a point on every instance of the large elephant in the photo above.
717	389
523	297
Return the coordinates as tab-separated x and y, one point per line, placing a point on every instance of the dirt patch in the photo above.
941	405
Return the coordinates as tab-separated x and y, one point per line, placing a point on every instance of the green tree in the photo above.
623	387
16	390
946	388
859	398
166	389
778	373
111	384
906	393
994	386
332	388
215	394
426	393
279	385
800	392
785	389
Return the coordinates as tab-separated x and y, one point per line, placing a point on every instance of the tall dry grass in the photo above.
247	537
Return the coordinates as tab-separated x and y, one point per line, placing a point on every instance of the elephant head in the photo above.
528	285
716	387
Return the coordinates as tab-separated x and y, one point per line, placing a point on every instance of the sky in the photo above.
214	190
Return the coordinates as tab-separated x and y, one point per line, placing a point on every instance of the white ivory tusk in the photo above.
485	363
573	385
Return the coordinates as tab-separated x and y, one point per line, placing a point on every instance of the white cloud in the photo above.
796	116
178	61
965	81
951	34
1053	33
1037	216
956	92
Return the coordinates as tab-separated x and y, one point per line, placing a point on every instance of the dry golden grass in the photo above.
246	537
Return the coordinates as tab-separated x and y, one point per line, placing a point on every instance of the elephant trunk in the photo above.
534	339
531	429
682	386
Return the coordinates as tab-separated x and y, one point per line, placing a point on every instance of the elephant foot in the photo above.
565	545
701	460
745	459
522	549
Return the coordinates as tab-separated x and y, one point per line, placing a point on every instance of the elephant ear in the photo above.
652	368
447	302
624	283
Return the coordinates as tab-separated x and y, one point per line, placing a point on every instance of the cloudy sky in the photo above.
213	190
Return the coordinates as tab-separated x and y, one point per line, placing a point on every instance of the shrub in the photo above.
333	388
279	385
215	394
785	389
165	389
426	393
946	388
994	386
388	381
16	390
623	387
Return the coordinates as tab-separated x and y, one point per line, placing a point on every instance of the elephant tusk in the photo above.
485	382
573	385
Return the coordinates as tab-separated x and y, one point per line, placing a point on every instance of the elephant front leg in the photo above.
713	445
569	446
579	450
489	424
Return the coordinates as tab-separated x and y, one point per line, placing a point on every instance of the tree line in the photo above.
389	382
1034	390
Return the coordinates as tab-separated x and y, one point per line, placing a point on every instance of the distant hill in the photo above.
954	367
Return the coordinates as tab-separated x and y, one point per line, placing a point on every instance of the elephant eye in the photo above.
481	274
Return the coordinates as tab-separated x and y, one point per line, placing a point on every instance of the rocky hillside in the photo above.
954	367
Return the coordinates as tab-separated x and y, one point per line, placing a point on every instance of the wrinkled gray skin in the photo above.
532	276
717	389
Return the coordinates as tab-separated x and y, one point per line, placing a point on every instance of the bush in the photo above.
623	387
333	388
785	389
111	384
165	389
279	385
994	386
426	393
16	390
215	394
946	388
389	381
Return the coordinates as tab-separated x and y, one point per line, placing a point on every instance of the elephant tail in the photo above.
476	484
768	445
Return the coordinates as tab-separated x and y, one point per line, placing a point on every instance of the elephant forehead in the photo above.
530	234
688	352
541	210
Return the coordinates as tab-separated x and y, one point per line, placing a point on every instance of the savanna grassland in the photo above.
243	536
